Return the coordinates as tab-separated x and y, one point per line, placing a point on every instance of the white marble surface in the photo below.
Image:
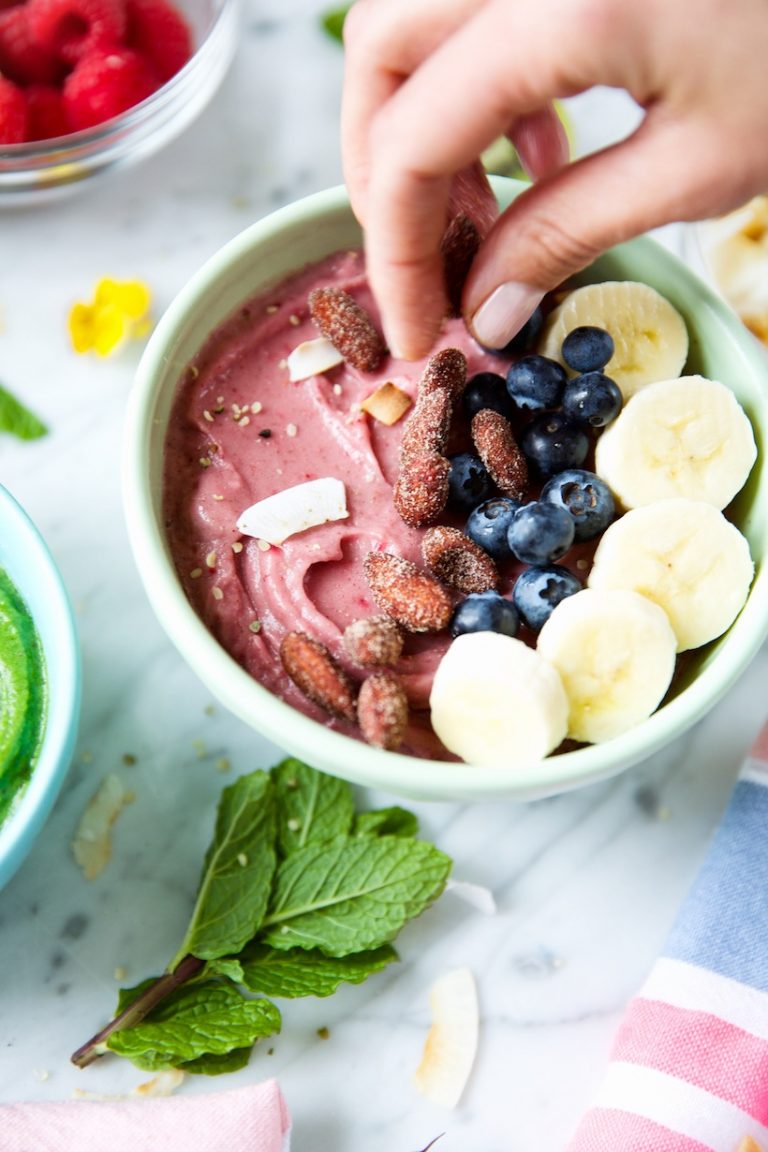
587	885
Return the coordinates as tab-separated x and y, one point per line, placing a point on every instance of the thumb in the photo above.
560	225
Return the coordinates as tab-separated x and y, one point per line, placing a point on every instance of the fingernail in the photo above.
503	314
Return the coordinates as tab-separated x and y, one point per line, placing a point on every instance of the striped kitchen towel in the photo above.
689	1067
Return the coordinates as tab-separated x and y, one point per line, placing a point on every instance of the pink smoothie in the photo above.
241	431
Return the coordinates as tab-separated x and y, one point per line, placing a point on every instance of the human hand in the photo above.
431	83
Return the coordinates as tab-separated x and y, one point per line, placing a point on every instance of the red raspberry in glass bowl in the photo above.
22	58
13	113
70	29
160	33
102	85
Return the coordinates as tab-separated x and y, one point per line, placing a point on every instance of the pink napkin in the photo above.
252	1119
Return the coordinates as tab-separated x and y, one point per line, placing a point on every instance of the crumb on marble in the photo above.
92	845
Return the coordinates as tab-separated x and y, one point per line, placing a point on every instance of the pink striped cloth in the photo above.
689	1067
250	1119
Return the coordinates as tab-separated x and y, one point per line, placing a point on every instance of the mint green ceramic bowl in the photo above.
259	258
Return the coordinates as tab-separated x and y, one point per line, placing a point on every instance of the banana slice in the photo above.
615	652
685	437
686	557
496	701
650	335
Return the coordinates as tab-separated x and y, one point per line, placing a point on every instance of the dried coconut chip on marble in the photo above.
451	1044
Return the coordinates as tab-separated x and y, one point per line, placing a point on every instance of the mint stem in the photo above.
95	1047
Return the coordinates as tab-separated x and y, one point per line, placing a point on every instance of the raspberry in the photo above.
47	117
13	113
159	32
21	58
103	85
71	29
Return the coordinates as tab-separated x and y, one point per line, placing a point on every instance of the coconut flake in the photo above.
294	510
451	1044
163	1084
474	894
92	845
311	358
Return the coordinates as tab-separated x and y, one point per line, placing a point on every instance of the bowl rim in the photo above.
242	695
32	807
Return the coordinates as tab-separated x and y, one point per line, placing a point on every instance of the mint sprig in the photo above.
17	420
298	894
333	21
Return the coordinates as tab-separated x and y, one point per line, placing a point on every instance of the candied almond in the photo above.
496	445
348	326
408	594
421	489
382	710
445	369
426	429
314	671
374	641
458	249
458	561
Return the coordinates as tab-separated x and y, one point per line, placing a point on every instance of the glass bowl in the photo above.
32	172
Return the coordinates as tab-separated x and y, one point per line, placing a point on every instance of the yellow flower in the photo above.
119	311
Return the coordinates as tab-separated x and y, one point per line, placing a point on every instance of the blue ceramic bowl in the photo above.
25	558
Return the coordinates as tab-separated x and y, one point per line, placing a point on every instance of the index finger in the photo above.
505	62
384	42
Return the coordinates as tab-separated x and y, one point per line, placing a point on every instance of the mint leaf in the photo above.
308	973
227	966
311	807
196	1020
333	21
237	872
210	1065
394	821
349	896
18	420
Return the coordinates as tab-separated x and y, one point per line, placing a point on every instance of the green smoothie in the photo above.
22	694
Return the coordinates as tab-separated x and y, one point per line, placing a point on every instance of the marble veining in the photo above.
586	884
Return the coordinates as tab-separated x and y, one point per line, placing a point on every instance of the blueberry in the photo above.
488	525
592	400
536	382
485	612
552	443
468	482
587	349
585	496
525	339
487	390
538	591
541	533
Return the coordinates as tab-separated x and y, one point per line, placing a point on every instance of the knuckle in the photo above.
558	245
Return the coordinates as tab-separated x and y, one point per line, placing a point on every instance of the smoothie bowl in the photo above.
39	684
287	511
